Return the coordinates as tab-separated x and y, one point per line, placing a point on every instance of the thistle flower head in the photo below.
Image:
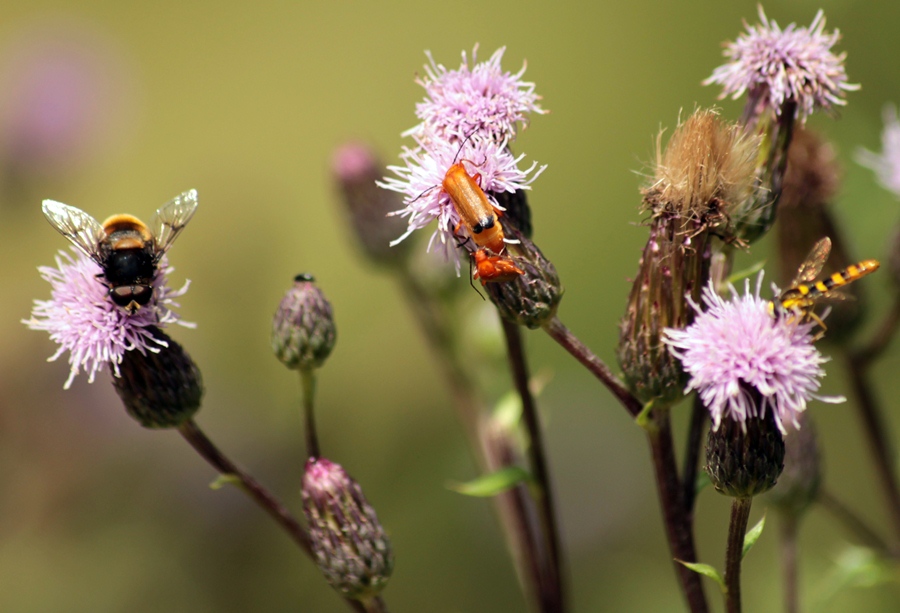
420	180
776	66
481	98
886	164
736	344
82	319
303	330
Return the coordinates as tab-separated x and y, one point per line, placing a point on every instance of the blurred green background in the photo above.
117	107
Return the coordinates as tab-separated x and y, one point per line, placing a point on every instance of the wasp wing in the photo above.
84	231
170	220
812	265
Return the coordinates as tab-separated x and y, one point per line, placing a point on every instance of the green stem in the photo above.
595	365
734	552
789	525
553	596
679	531
250	486
308	383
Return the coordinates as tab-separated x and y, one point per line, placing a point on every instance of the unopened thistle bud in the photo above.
704	174
810	182
799	483
355	169
531	299
745	458
350	545
162	388
303	330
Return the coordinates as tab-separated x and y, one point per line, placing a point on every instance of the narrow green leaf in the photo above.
702	482
223	480
743	274
751	537
706	570
493	483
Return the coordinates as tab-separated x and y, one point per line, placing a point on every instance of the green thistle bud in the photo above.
159	389
355	169
744	459
531	299
303	331
350	545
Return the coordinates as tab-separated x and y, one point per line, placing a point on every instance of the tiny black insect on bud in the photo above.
350	546
744	459
530	299
303	330
159	389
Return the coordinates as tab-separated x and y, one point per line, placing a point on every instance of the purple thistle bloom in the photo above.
887	164
82	319
482	99
776	66
422	177
736	344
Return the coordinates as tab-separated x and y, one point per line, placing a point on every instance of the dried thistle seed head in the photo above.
810	181
355	169
673	268
745	458
799	483
161	388
531	299
303	330
350	546
706	173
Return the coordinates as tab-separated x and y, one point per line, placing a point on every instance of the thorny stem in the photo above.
692	456
874	427
250	486
789	525
679	531
853	523
515	508
580	352
308	382
734	552
554	592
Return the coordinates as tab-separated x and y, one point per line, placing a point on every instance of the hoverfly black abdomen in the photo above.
127	250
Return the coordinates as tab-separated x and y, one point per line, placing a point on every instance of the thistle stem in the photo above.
250	486
789	525
595	365
515	508
679	531
692	456
734	552
554	592
881	339
308	383
853	522
870	414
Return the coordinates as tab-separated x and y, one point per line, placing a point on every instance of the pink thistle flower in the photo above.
82	319
482	99
776	66
737	344
886	164
420	180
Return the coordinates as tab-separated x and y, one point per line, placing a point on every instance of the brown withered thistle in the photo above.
704	176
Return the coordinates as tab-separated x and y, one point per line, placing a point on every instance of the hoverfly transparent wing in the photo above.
814	262
170	220
84	231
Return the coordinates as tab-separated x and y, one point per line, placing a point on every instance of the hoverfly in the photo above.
803	293
126	249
